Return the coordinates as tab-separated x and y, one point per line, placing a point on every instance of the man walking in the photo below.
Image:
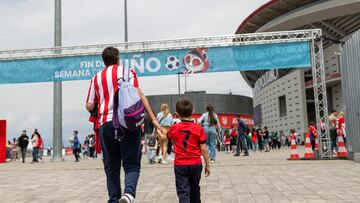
126	152
76	146
241	141
23	143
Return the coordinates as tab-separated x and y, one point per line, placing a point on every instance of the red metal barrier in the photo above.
2	141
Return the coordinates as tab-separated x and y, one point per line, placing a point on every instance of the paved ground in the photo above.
262	177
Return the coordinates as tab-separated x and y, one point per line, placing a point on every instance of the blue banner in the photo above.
168	62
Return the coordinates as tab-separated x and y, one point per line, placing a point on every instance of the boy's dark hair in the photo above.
184	108
110	56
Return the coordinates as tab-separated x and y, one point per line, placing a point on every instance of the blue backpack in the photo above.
129	111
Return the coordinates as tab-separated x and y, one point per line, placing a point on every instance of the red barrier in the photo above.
2	141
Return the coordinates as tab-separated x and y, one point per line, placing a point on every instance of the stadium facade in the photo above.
283	99
227	106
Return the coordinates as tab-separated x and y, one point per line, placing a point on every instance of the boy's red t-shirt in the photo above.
187	137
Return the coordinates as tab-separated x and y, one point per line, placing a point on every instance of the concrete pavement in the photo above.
262	177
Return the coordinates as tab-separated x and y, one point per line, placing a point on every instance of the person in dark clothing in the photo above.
260	139
76	146
23	143
266	139
241	141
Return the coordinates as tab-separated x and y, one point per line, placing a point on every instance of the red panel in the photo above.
2	141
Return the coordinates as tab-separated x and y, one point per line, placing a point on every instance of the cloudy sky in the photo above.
29	24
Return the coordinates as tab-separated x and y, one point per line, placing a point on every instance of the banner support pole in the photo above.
57	119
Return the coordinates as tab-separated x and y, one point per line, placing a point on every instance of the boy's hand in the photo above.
207	171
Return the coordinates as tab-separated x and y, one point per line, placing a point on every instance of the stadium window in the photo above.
282	106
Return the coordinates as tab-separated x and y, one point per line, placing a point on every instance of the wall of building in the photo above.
332	66
351	71
292	86
222	103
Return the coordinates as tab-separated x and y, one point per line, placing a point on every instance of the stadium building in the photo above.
227	106
283	99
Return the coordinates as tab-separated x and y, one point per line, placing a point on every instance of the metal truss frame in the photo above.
313	36
217	41
320	96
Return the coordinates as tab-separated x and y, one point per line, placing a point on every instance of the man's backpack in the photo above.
128	107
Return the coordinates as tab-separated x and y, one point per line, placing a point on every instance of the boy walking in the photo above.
189	144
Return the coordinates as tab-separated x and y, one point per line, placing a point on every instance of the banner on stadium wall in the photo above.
166	62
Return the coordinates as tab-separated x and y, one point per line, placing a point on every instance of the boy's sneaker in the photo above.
164	162
159	161
212	161
127	198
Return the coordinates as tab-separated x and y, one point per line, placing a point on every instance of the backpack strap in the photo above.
116	122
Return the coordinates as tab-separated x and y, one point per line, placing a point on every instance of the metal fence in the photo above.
350	70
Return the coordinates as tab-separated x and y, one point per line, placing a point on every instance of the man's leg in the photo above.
23	154
112	161
194	180
131	157
238	143
182	183
244	145
36	154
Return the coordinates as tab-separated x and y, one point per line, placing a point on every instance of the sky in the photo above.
30	24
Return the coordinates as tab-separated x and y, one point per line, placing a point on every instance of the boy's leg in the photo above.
182	183
131	157
194	180
112	161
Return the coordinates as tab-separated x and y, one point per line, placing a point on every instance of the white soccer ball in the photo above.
172	63
71	140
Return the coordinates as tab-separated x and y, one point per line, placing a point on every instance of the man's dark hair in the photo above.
76	132
184	108
110	56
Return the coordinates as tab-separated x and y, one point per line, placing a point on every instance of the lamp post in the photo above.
125	23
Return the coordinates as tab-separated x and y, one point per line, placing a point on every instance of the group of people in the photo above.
336	127
161	147
240	140
21	143
87	149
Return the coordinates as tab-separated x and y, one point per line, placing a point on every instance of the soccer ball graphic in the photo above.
172	63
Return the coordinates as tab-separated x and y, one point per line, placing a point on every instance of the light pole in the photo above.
185	76
125	19
57	119
179	90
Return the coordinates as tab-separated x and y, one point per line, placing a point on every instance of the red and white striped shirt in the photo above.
103	87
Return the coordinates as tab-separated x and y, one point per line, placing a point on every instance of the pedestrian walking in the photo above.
123	152
233	139
14	146
241	141
23	144
254	140
210	122
227	138
266	139
36	141
165	119
313	135
189	145
259	134
76	145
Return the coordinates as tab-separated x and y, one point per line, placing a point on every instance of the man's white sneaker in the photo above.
127	198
